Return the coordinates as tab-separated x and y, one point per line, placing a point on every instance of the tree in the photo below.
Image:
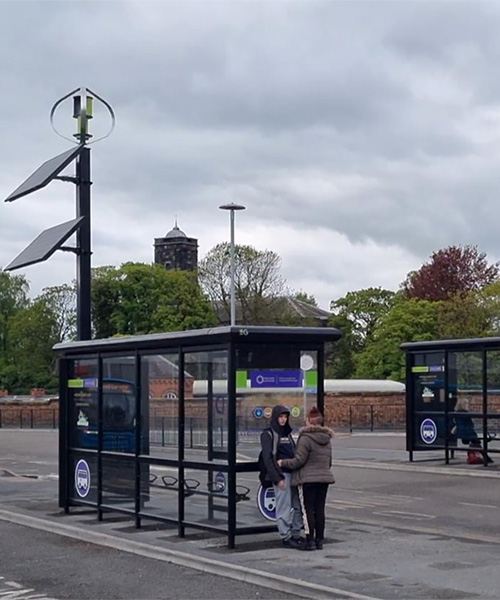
340	356
490	296
14	291
463	316
357	314
410	321
33	333
61	299
305	297
258	281
138	298
451	271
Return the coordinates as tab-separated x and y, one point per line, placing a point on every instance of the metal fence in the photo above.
163	430
373	417
29	418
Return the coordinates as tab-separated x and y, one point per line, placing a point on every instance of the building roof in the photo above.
334	386
279	307
175	232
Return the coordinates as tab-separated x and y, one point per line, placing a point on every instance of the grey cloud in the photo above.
347	116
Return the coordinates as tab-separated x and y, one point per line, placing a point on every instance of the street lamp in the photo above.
232	207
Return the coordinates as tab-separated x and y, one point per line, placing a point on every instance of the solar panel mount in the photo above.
44	246
45	173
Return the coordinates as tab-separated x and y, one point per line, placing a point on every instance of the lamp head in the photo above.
232	206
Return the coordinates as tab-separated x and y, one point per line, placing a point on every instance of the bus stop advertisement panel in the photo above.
429	404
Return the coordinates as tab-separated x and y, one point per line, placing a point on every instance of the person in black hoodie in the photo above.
277	443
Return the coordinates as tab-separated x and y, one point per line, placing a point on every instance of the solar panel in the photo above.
44	246
45	173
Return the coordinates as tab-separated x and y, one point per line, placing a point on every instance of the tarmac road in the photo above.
394	530
44	566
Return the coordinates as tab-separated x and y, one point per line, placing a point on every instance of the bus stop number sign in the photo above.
82	478
428	431
266	502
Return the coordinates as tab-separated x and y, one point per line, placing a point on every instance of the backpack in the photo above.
262	467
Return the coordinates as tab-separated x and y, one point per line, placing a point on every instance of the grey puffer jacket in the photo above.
312	462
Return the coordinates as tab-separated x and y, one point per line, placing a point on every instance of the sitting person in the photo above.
464	427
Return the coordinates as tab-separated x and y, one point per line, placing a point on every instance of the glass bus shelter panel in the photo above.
159	492
118	481
465	382
254	504
160	405
118	404
268	376
493	381
82	403
206	497
82	477
206	405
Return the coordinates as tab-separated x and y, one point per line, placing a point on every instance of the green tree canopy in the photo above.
33	332
464	315
61	300
138	298
14	291
413	320
357	315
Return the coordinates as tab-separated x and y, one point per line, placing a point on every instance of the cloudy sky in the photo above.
361	136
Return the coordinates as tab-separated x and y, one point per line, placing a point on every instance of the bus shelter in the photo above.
449	384
167	426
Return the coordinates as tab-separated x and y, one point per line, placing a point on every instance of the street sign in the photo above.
266	503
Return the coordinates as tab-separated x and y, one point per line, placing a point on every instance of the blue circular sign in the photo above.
266	502
82	478
428	431
258	412
220	405
220	482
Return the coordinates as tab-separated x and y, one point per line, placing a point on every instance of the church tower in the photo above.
176	251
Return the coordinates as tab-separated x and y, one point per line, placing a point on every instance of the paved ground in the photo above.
394	530
46	565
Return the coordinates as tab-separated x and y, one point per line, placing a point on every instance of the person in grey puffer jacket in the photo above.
312	474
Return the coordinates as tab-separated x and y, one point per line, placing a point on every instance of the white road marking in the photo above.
11	590
480	505
405	515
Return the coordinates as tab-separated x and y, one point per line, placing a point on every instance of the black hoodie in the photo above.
285	444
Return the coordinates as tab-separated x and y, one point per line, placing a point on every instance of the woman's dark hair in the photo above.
314	416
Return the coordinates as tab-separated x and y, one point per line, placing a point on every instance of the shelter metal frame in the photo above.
432	366
233	342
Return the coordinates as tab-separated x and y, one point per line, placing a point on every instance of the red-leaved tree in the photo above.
450	271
